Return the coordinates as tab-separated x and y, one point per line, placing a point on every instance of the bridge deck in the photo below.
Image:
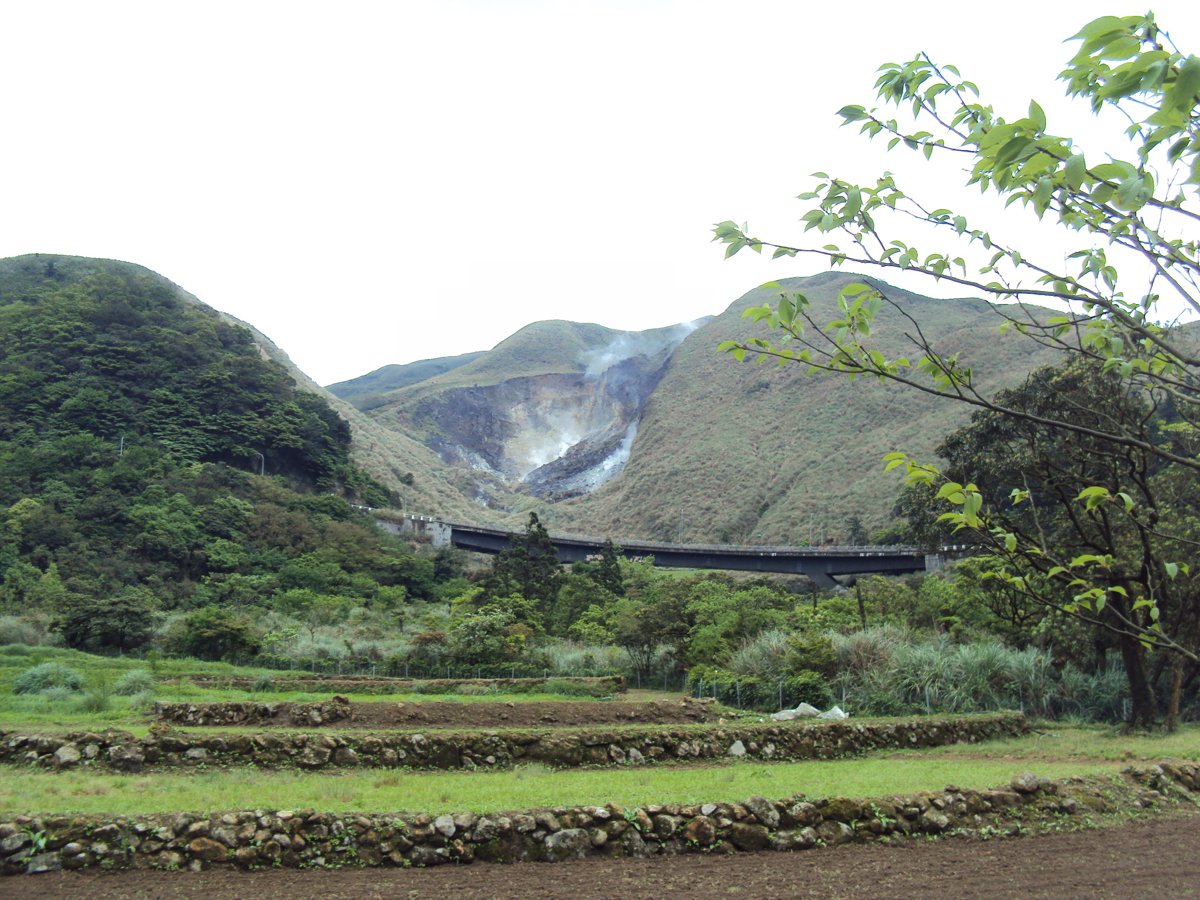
822	564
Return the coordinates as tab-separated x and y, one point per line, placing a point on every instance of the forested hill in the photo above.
134	423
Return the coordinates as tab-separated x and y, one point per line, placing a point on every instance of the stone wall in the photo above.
597	686
629	745
324	712
295	838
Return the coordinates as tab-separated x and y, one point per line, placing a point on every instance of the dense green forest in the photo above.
152	461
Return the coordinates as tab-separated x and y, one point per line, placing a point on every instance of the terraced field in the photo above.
525	777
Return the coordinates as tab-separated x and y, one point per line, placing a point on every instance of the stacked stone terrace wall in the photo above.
600	685
167	747
308	838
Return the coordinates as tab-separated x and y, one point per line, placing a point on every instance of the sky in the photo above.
380	182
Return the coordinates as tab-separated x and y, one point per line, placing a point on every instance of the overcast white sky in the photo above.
373	183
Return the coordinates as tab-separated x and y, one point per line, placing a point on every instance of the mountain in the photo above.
367	391
136	425
552	410
744	453
656	435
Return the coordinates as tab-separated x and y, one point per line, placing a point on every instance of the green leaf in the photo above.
1037	115
1074	172
1182	94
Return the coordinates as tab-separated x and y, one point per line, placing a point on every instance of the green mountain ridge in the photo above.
368	391
136	427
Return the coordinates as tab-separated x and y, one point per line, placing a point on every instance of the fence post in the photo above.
737	686
781	693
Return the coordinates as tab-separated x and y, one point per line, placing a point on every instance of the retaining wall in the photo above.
167	747
599	686
258	838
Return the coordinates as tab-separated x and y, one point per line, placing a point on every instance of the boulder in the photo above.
763	810
126	757
749	837
207	849
445	826
1025	783
570	843
66	756
833	833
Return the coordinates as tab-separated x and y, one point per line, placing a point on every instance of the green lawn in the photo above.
23	791
1056	753
1049	741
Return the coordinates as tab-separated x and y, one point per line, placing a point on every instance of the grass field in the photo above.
532	786
1062	753
102	673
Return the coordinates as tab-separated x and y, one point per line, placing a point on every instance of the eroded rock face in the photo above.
562	433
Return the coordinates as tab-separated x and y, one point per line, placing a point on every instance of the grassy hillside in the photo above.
366	391
760	454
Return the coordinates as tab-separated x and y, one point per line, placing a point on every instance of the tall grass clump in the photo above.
886	671
15	630
135	681
46	676
1092	697
762	655
869	649
573	659
96	699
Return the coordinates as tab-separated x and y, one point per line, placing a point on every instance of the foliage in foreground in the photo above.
1121	446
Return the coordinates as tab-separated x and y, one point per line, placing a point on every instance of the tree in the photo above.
528	568
215	633
1132	203
122	622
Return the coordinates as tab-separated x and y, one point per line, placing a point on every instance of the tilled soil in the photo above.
505	714
448	714
1148	859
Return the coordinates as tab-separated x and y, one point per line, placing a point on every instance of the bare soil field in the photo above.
453	715
498	714
1147	859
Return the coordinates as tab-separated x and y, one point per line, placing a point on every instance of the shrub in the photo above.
15	630
476	690
47	675
135	681
263	684
767	693
97	698
570	688
808	687
142	702
810	653
54	696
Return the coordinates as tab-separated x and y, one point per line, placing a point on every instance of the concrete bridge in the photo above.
822	564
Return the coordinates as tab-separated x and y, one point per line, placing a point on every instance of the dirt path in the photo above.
1152	859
